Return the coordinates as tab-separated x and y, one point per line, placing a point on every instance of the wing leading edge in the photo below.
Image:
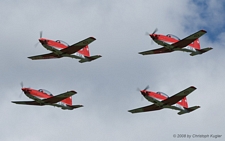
188	40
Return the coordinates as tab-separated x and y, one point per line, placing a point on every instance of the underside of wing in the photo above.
152	107
27	103
76	47
188	40
44	56
155	51
59	97
177	97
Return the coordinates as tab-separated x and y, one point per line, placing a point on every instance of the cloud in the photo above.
107	87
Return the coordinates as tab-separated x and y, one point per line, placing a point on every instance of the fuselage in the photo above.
40	94
157	97
168	40
56	46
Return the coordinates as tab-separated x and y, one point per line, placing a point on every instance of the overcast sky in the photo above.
107	87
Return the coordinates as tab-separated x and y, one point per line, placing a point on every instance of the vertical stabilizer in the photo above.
84	51
184	102
67	101
196	44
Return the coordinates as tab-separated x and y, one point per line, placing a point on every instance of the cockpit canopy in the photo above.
62	42
173	36
161	93
45	91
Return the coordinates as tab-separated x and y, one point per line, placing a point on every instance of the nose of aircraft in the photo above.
153	36
43	41
25	90
144	92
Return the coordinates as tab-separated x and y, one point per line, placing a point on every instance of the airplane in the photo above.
161	100
172	43
60	49
43	97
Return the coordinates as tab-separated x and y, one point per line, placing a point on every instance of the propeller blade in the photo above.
155	31
138	89
20	94
36	44
21	84
147	87
40	34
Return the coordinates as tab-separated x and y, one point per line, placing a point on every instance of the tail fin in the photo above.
188	110
67	101
84	51
184	102
196	44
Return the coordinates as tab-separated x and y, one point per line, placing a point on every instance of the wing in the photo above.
186	41
152	107
155	51
177	97
59	97
44	56
27	102
76	47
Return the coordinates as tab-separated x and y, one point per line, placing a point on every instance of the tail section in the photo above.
84	51
196	44
184	102
201	51
67	101
188	110
90	58
71	107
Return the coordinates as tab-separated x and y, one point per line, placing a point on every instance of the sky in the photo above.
107	87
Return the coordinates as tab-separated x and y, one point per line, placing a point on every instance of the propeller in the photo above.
21	84
155	31
152	35
41	34
40	37
147	87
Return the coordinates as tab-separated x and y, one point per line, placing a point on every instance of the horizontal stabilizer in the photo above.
188	110
201	51
74	106
89	59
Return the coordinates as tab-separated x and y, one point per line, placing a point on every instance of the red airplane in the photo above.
62	49
172	43
161	100
43	97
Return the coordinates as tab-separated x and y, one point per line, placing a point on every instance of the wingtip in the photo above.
93	38
140	53
193	87
204	31
73	91
130	111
